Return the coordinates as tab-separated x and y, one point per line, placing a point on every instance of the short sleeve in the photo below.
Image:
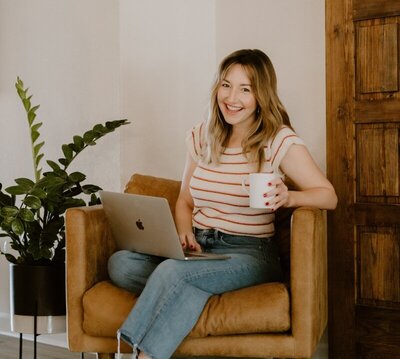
280	144
194	142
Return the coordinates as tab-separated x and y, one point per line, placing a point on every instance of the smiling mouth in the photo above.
233	108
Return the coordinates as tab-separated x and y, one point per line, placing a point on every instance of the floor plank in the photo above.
9	349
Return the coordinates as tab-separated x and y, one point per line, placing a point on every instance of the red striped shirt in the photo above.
220	202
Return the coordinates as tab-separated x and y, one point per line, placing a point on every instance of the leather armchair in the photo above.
279	320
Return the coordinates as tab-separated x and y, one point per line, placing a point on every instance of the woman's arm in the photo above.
184	208
314	189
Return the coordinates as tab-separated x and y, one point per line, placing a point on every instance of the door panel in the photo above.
377	163
376	47
378	266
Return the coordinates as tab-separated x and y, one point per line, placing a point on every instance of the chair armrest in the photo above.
308	276
89	244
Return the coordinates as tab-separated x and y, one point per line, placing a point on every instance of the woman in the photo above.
248	130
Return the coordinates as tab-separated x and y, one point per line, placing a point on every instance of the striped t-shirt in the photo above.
220	202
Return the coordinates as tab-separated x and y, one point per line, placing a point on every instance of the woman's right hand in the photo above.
189	243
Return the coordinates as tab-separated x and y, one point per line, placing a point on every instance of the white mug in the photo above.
258	184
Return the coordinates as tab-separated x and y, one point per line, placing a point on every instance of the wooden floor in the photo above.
9	349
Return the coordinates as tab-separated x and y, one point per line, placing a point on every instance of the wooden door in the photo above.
363	147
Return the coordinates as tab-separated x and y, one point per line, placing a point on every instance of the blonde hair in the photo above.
270	114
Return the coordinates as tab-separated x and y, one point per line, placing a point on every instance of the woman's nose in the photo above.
232	95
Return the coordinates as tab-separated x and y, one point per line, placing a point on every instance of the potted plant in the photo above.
32	219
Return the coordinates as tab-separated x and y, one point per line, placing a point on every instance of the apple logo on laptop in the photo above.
139	224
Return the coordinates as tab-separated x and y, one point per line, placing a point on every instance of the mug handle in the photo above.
244	185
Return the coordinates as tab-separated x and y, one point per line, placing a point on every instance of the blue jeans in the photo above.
173	293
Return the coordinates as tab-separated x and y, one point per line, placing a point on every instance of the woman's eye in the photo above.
224	85
245	89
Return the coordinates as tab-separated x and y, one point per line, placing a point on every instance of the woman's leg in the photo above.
176	294
130	270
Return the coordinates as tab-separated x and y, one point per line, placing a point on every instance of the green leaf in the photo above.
110	125
32	202
94	200
9	211
63	161
34	108
25	183
73	147
60	173
10	258
5	200
6	223
16	190
72	202
77	177
27	103
31	116
38	158
21	93
36	126
78	141
88	137
73	191
38	192
34	135
26	215
90	188
17	226
68	154
37	148
19	84
100	129
52	181
53	165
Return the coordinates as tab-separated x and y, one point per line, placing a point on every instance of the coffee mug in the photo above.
258	185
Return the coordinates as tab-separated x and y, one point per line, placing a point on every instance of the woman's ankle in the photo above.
143	355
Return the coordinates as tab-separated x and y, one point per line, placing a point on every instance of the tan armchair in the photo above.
280	320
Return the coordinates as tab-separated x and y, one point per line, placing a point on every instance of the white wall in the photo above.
169	55
67	52
292	34
167	64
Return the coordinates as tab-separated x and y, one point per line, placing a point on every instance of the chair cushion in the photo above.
259	309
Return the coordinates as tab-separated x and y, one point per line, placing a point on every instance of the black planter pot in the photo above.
37	299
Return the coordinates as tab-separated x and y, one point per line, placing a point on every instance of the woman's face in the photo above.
236	98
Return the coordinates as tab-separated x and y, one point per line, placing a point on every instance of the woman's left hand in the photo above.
278	196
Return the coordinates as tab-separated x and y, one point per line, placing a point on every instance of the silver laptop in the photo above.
145	224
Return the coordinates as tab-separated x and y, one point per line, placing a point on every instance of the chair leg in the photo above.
105	355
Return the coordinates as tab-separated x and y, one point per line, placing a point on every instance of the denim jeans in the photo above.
173	293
